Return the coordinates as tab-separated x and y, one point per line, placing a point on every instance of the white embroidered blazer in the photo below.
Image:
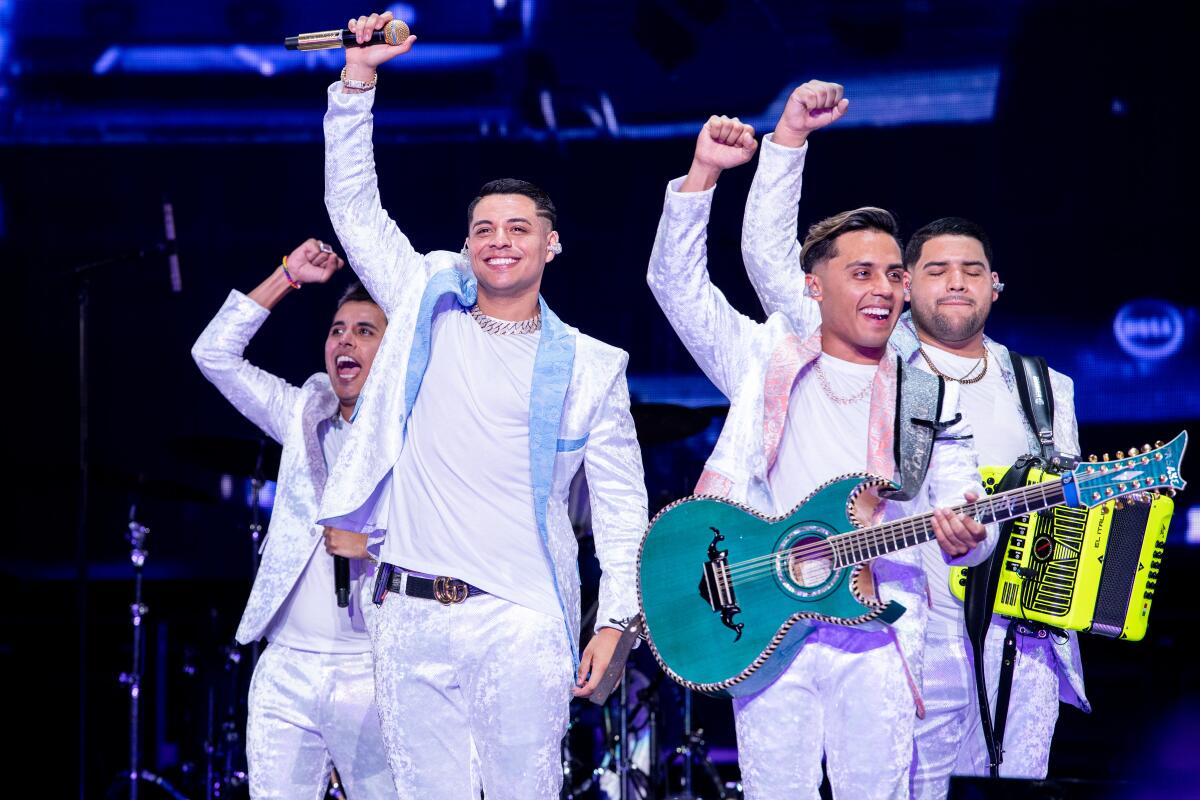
289	415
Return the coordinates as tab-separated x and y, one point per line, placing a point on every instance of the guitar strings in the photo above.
852	544
861	538
847	548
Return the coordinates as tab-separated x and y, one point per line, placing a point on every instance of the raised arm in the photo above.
264	399
769	245
378	251
714	333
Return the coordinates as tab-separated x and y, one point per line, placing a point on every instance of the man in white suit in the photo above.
806	407
952	285
311	698
481	408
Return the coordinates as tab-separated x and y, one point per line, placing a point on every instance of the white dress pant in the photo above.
846	695
949	741
308	712
484	671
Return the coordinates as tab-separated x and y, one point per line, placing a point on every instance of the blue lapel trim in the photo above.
447	281
552	368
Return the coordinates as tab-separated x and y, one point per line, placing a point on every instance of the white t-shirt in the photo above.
822	439
462	494
310	618
999	429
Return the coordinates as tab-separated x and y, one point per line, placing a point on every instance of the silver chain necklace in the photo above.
841	401
503	327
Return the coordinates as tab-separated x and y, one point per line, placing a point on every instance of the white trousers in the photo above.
485	671
949	741
308	712
845	694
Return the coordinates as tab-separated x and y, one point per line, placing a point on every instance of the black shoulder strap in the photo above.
1037	398
981	583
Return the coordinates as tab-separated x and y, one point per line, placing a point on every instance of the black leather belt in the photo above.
445	590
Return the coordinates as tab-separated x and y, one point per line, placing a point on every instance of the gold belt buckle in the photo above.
449	591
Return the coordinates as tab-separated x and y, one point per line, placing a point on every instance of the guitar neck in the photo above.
864	544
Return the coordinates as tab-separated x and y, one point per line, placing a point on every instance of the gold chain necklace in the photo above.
964	380
841	401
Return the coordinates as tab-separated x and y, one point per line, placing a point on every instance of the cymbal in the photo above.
659	423
229	454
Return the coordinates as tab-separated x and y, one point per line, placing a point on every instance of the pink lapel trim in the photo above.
788	358
881	432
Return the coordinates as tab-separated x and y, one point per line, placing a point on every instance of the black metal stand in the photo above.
694	750
133	679
83	274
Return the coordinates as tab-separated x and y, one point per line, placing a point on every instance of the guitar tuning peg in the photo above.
1106	458
1092	458
1118	503
1170	492
1120	454
1146	448
1133	451
1158	442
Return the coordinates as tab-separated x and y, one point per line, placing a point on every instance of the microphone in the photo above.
394	34
341	580
170	248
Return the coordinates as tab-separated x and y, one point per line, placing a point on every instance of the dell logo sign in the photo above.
1149	329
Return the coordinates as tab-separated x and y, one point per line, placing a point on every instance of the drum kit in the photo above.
640	743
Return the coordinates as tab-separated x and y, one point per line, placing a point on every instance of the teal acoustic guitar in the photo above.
723	587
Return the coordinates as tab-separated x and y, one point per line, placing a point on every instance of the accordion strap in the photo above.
1037	399
978	601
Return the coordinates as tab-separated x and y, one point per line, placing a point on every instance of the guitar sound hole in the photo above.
810	562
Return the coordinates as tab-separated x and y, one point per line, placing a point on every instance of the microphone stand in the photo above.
83	276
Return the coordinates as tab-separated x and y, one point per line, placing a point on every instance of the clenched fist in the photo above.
313	262
810	106
722	143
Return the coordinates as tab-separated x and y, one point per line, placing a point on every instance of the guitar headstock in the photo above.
1139	472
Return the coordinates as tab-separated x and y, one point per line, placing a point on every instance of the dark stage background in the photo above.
1058	125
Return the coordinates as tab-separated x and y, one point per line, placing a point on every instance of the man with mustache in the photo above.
311	703
952	288
481	408
806	407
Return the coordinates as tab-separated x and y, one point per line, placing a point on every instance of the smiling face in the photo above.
861	291
509	245
350	349
952	291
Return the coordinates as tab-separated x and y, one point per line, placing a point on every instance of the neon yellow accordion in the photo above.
1081	569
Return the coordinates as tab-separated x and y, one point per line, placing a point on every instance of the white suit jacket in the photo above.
579	403
772	256
755	365
289	415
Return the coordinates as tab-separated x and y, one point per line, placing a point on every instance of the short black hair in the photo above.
355	293
541	200
820	244
946	226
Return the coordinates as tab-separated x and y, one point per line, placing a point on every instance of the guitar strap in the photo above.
919	397
1037	400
